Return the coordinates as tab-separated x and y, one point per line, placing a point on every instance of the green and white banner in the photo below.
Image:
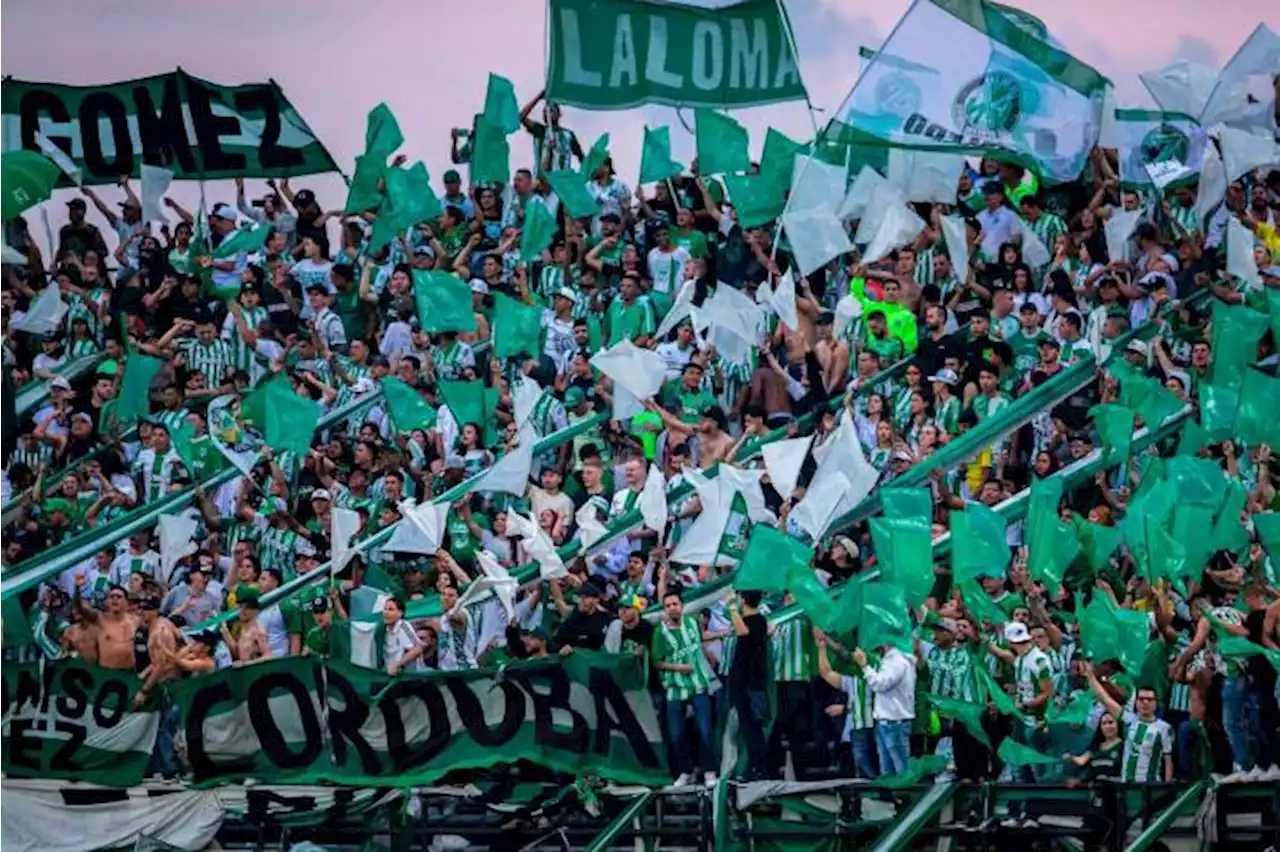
74	720
197	129
616	54
1156	149
979	78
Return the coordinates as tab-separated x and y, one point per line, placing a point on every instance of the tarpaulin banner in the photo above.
196	129
616	54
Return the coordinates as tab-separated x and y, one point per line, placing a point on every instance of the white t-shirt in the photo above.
667	268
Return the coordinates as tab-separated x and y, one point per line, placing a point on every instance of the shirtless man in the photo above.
711	430
112	629
252	645
163	641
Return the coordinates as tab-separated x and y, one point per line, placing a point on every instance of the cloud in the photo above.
1193	48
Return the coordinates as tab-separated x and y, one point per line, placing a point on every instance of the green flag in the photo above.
885	619
444	302
1110	632
1197	481
966	713
500	107
406	406
979	603
363	193
1098	542
1256	417
382	134
517	327
248	240
778	161
655	156
1188	528
1194	438
1218	407
598	153
411	196
1016	754
570	188
1052	545
1115	429
816	601
538	232
1267	525
1228	533
1166	556
756	199
286	420
472	402
767	562
1076	712
1237	331
995	692
904	551
490	154
721	144
133	401
979	546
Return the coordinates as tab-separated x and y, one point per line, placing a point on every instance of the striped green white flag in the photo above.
976	77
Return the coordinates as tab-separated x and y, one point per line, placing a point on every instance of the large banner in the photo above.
303	721
197	129
616	54
976	77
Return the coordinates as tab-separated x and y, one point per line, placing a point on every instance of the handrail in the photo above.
54	479
35	392
25	575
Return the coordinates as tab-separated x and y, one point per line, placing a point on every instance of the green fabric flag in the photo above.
1258	416
979	603
444	302
411	196
1076	712
517	327
596	155
1016	754
978	543
995	692
1239	648
904	551
918	769
907	502
382	134
1098	542
1228	532
1052	545
287	421
1166	558
1197	481
1218	407
966	713
721	144
756	199
133	401
1145	396
1194	438
538	232
1109	632
1149	504
490	154
812	597
1237	331
406	406
766	564
248	240
885	619
1115	429
1267	526
1273	311
472	402
778	160
655	156
572	192
1188	528
500	107
363	193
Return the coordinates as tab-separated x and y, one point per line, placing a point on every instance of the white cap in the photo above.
566	293
60	383
479	286
223	211
1016	632
320	494
946	376
363	385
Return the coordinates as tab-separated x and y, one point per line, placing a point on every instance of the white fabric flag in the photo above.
884	196
1243	95
1213	184
783	301
1181	86
1118	229
1240	261
817	510
1242	151
896	226
925	176
44	314
538	545
510	474
816	184
640	371
681	309
155	183
418	532
783	460
855	201
847	310
343	526
1034	251
653	500
590	530
176	534
524	396
735	323
956	237
840	458
700	543
495	579
816	237
59	157
9	254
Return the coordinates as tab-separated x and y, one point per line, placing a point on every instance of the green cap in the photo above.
574	397
56	504
452	176
246	593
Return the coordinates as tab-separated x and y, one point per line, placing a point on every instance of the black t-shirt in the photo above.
278	311
642	635
583	631
751	654
307	228
932	354
141	651
1258	667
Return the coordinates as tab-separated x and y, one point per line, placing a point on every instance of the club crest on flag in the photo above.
1163	144
989	105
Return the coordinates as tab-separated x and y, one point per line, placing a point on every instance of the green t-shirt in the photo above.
462	544
692	241
889	348
1026	350
689	404
630	322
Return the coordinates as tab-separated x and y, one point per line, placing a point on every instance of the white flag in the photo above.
1240	260
590	530
1118	229
176	534
784	301
418	535
538	545
1242	151
59	157
653	500
1034	251
817	510
862	191
510	473
681	309
896	226
155	183
44	314
817	185
783	460
640	371
524	396
1181	86
926	176
343	526
955	235
9	254
1213	185
816	237
842	471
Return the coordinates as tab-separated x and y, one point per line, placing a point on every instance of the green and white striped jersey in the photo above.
682	645
790	645
951	673
172	419
1028	670
1146	743
242	354
859	700
211	360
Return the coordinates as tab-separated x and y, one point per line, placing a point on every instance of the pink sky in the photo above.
429	59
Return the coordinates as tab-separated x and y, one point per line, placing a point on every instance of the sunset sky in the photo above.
429	60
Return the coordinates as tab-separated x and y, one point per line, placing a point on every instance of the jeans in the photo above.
893	745
1238	704
753	718
862	744
676	711
163	759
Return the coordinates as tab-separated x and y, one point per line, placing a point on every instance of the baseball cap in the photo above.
247	594
319	604
320	494
1016	632
452	176
1049	340
946	376
60	383
633	602
304	196
1137	346
574	397
223	211
566	293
